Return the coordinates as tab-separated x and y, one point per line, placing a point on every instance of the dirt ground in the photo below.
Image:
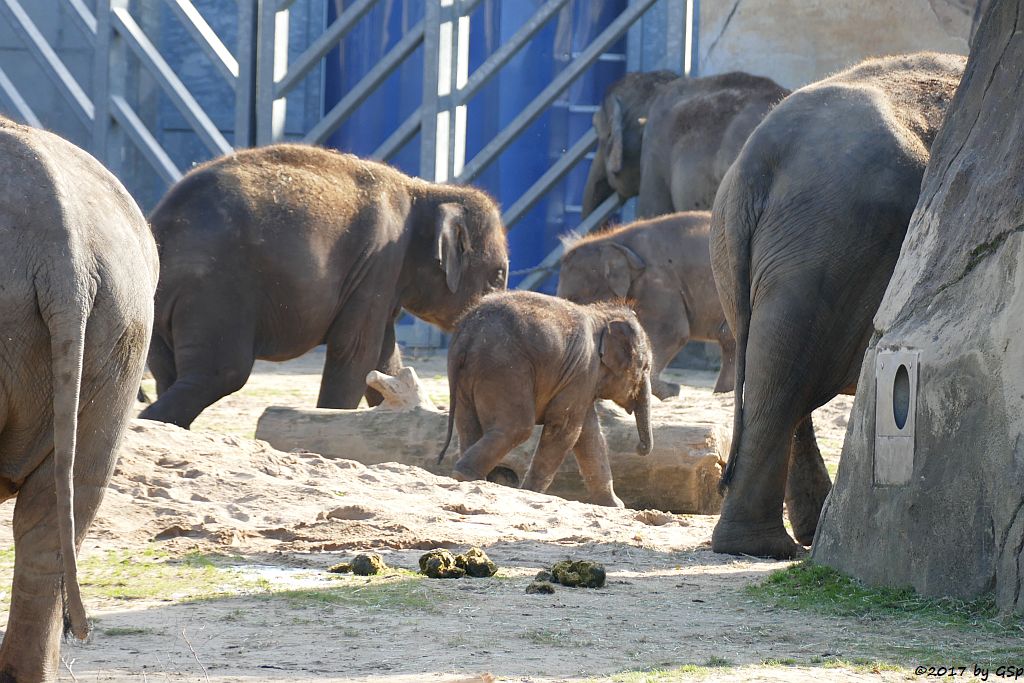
207	563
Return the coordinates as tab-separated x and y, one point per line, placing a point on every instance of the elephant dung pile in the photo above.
362	565
442	564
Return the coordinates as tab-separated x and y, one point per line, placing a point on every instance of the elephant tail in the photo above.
741	217
452	383
66	313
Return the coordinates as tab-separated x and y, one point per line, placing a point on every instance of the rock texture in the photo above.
951	522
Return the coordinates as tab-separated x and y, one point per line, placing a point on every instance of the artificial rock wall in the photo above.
930	489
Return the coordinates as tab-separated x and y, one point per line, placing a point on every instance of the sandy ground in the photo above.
273	522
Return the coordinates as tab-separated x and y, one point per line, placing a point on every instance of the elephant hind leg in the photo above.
213	353
503	420
727	374
161	363
808	483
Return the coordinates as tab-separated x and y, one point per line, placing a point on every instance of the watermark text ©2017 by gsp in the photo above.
1006	671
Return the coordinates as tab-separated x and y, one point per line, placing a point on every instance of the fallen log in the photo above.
680	475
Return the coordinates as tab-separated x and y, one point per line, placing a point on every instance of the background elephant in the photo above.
695	130
521	359
805	234
619	124
268	252
663	266
76	300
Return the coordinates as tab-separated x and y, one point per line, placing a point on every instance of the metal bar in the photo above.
527	116
692	45
543	270
430	105
106	46
206	38
398	139
374	77
85	18
172	86
508	50
338	29
553	175
266	30
16	102
56	71
143	139
245	86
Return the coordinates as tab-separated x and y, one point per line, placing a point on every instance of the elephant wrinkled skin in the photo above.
269	252
76	302
805	233
521	359
663	267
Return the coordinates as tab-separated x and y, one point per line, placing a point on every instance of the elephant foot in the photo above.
725	383
758	540
461	473
664	390
608	499
804	526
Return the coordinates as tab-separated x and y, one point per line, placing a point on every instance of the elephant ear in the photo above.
615	119
618	345
621	266
451	242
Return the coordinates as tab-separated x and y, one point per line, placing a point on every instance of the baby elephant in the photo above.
521	358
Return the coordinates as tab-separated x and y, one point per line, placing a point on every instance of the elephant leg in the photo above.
390	362
355	345
30	649
727	373
214	351
591	453
556	440
668	344
808	483
500	419
776	381
161	364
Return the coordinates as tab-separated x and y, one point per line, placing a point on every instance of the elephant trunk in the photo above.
643	419
597	188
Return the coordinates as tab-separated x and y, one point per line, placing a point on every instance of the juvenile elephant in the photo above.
619	124
695	130
805	233
268	252
79	269
663	266
520	359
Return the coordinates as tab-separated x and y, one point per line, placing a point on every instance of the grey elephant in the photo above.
520	359
695	130
663	267
268	252
76	301
805	233
619	124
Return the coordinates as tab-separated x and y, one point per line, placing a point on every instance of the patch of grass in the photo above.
127	631
401	591
686	672
809	586
543	636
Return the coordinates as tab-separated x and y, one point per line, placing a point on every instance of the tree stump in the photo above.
680	475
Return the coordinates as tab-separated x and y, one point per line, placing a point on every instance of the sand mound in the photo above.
210	490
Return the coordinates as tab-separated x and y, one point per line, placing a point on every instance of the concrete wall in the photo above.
796	42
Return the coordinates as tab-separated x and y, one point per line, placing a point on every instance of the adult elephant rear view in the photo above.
269	252
695	130
805	233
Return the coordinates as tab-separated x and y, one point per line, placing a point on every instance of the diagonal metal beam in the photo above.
338	29
206	38
373	78
136	39
85	18
402	135
144	140
17	102
553	175
565	78
546	268
53	67
508	50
